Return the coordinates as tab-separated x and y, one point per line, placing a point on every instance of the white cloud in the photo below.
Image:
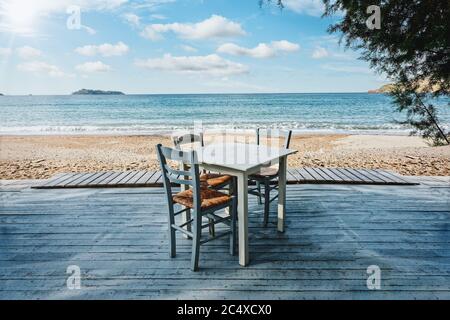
105	50
132	19
319	53
262	50
310	7
210	64
188	48
28	52
284	45
41	67
5	52
90	67
213	27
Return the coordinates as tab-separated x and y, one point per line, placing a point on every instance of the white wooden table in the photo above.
242	160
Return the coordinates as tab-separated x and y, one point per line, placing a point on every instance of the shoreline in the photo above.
168	132
40	157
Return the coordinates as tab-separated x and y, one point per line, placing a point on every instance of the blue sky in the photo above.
174	46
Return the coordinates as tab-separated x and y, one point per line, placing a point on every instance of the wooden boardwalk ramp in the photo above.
294	176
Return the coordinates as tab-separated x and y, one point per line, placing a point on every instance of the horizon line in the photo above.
191	93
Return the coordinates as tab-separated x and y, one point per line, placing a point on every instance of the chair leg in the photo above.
212	228
197	231
258	187
266	202
171	233
172	242
233	214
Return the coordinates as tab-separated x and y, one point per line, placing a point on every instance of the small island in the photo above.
96	92
1	94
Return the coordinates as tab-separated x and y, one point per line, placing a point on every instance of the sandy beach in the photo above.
39	157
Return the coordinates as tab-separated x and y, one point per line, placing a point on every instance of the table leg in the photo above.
186	215
282	194
242	193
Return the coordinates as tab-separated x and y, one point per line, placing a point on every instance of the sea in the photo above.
354	113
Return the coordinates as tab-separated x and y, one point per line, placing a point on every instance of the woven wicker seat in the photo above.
210	198
266	172
215	179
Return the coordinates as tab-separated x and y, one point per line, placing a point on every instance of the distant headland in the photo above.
423	87
96	92
383	89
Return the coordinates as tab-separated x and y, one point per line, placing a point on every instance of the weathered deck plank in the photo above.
333	233
153	178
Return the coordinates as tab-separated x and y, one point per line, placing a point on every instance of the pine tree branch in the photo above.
441	132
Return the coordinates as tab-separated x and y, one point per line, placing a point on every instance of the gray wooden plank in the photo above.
301	177
394	177
155	178
136	178
58	180
341	174
91	179
354	175
324	175
372	175
79	179
314	174
291	178
331	173
306	175
101	178
146	177
74	176
296	174
388	179
130	176
109	179
119	178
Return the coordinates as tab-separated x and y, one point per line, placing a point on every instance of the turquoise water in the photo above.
136	114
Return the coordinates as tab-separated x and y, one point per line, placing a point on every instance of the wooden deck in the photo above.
153	178
333	233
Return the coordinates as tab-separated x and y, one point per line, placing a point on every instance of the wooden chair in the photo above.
200	201
268	176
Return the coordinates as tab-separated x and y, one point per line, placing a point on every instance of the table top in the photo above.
240	156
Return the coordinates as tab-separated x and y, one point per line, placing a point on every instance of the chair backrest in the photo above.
190	177
285	135
187	138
